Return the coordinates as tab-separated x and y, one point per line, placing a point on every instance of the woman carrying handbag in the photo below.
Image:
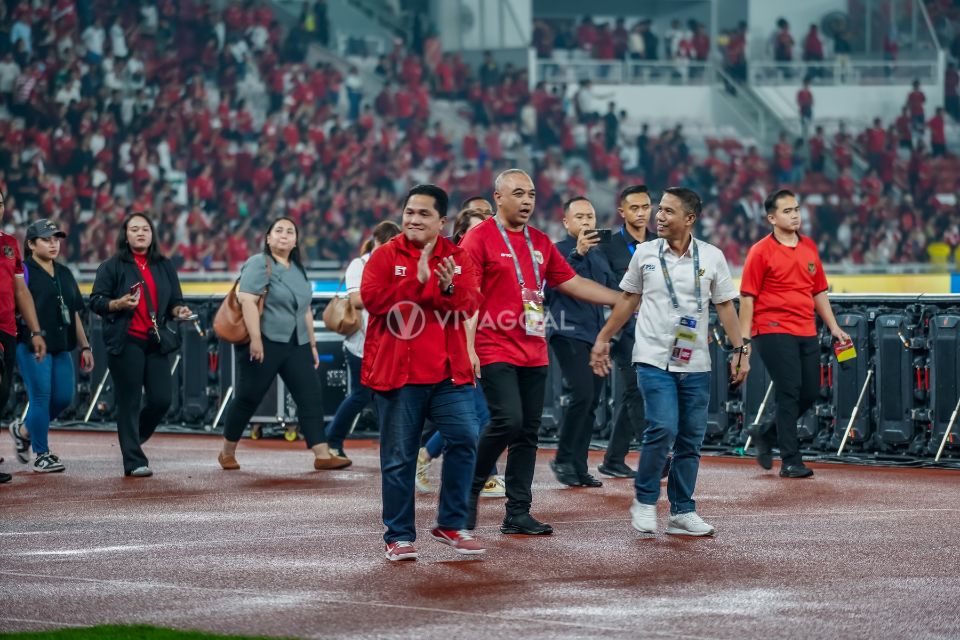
281	342
137	293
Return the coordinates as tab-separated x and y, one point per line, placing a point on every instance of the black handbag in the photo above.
164	333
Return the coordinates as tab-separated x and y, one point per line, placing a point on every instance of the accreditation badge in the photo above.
684	339
534	316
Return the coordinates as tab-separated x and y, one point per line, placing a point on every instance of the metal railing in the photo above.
849	72
671	72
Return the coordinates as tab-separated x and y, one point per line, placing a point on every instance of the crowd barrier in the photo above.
897	400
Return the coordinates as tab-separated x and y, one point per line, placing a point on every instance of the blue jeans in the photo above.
402	412
676	412
50	385
434	445
352	405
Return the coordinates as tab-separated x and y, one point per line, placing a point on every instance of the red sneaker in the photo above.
400	550
461	541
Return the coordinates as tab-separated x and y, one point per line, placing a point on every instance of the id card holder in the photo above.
534	317
684	339
64	313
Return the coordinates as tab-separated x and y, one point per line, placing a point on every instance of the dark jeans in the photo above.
515	398
402	412
794	366
581	413
628	419
294	364
676	405
9	344
50	385
434	445
139	370
360	396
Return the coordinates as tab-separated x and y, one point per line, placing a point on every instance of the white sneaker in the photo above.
423	472
643	517
141	472
495	487
689	524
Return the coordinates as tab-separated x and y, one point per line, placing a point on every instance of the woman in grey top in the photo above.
281	342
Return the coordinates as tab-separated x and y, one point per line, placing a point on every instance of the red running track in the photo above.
279	549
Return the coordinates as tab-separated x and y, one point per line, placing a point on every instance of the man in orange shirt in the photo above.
782	288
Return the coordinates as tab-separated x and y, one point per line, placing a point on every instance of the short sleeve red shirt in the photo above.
501	336
783	281
11	267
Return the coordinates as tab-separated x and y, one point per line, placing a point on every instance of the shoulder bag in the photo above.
228	322
164	333
340	316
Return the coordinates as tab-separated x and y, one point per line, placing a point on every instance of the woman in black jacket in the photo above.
137	293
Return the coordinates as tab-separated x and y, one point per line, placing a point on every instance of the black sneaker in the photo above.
798	470
525	524
587	480
764	452
47	463
20	443
616	470
5	477
565	474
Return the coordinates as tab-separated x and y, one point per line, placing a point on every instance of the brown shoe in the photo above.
229	463
333	462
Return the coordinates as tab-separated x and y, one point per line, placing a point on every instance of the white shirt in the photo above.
118	41
8	75
93	38
354	342
657	319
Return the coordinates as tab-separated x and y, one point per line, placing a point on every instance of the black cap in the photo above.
44	228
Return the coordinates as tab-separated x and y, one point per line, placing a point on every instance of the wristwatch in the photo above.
36	334
449	290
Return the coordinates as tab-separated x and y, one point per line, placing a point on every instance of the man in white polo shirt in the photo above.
672	281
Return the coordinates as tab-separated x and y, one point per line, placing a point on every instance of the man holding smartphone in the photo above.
572	332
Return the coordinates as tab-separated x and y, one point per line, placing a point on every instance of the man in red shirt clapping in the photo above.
419	290
508	343
782	287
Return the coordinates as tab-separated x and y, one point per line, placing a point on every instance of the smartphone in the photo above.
605	235
135	289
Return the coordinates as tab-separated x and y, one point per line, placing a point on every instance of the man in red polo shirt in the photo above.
14	297
508	344
419	290
781	288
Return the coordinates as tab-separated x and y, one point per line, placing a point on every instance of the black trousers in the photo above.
580	415
794	366
515	398
139	372
9	344
628	418
294	364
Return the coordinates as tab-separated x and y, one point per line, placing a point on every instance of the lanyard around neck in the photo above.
516	262
631	241
696	276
